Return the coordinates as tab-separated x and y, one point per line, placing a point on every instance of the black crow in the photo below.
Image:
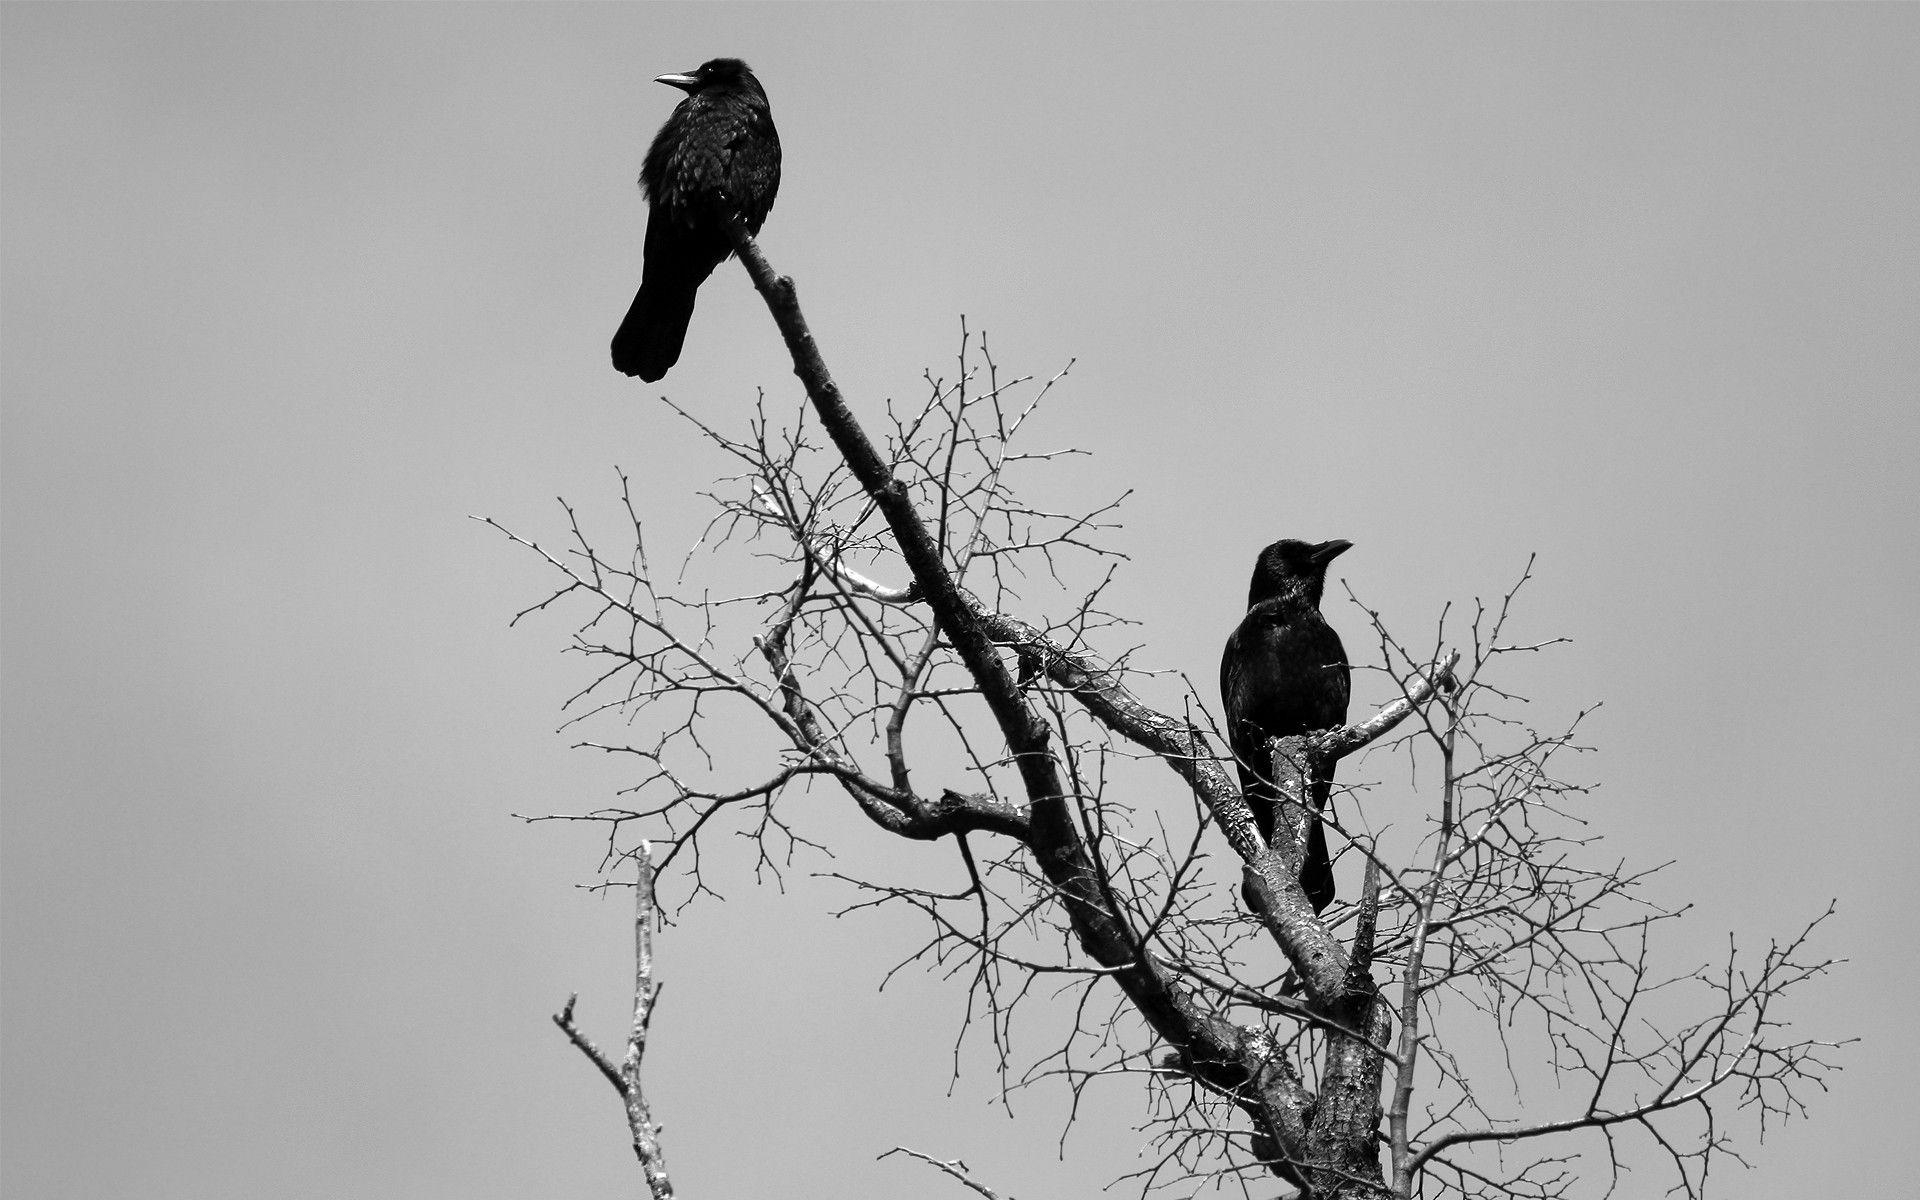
1285	673
717	156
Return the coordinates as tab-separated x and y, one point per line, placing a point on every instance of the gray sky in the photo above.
290	291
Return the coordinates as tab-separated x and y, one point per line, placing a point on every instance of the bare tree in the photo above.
1381	1048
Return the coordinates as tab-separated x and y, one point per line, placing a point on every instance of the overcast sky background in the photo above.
291	291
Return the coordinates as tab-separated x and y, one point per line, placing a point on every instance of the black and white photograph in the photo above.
1148	601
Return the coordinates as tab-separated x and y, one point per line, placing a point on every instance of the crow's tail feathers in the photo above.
1316	867
1316	872
648	341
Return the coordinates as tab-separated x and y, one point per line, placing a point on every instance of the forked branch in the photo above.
625	1077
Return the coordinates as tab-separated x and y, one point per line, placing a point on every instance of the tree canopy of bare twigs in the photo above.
1487	1014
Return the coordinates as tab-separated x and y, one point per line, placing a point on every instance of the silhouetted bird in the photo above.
717	155
1285	673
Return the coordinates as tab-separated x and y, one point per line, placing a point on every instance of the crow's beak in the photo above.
1326	552
685	83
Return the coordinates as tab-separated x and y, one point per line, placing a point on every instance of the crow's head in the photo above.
720	74
1293	569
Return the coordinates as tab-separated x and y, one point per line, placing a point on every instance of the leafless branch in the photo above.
626	1077
953	1167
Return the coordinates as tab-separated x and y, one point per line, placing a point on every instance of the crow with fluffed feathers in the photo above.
1285	673
717	156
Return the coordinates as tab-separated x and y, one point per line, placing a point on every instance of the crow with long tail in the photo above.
716	157
1285	673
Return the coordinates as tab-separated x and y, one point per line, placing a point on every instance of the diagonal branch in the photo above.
1216	1050
955	1168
